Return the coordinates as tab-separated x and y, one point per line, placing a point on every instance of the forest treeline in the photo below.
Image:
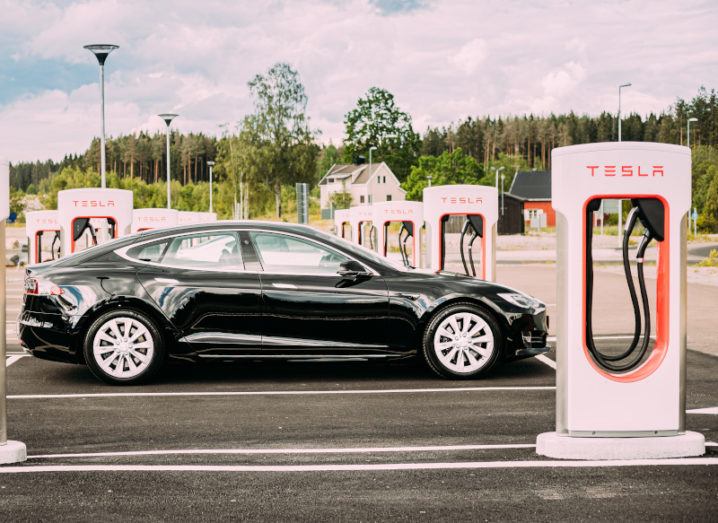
257	163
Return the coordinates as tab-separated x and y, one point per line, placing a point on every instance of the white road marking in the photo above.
529	464
606	337
274	392
12	359
706	410
548	361
348	450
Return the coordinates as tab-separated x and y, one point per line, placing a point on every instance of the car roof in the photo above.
105	248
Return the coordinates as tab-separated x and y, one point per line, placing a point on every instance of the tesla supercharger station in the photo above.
411	217
479	204
10	451
193	218
341	219
629	402
148	219
359	217
206	217
38	226
91	216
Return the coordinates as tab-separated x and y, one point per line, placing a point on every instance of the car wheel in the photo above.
123	347
462	342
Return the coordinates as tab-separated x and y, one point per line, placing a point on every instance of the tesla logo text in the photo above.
625	170
401	212
153	219
93	203
461	200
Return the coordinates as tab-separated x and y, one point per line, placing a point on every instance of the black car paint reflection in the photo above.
256	312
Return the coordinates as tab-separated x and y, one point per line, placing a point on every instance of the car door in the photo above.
310	308
200	283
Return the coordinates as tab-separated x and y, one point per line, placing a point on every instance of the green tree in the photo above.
376	121
449	168
341	200
279	145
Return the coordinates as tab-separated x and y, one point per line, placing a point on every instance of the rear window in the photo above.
211	251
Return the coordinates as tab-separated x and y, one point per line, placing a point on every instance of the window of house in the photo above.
370	198
361	199
388	197
384	178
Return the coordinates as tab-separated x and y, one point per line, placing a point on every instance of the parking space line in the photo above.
528	464
548	361
278	392
12	359
706	410
264	451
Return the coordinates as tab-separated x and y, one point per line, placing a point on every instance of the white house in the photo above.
366	185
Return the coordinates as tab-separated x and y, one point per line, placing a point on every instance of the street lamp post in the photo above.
688	132
101	52
619	107
502	193
428	178
168	117
620	202
497	170
211	164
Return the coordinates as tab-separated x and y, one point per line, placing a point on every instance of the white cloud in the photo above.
470	56
444	60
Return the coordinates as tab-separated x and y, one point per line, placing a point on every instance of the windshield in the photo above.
367	253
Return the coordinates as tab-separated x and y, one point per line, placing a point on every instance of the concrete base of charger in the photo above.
12	452
554	445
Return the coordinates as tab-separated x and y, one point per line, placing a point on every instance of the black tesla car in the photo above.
252	290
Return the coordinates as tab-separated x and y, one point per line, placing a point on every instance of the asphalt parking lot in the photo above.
343	442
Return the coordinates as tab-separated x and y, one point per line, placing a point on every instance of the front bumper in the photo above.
528	335
48	336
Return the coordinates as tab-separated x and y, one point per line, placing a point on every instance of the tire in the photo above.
129	360
469	352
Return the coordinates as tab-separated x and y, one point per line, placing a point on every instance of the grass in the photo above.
711	260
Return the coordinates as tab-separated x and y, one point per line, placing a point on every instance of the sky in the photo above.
443	61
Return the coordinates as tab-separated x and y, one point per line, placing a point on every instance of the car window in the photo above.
149	252
282	253
217	250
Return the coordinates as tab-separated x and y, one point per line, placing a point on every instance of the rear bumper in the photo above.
48	336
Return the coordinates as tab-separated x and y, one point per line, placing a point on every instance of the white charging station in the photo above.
341	220
10	451
92	216
605	409
193	218
149	219
411	216
480	205
38	225
359	217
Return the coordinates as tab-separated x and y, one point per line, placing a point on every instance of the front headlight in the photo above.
520	300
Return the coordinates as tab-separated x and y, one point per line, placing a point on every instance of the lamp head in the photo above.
168	117
101	51
210	163
693	119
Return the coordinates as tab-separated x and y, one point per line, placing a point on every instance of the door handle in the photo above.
284	285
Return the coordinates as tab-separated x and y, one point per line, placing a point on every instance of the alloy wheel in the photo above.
123	347
463	343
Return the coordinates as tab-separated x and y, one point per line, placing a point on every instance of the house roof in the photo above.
532	185
360	173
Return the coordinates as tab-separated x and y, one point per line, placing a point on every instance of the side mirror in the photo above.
351	270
